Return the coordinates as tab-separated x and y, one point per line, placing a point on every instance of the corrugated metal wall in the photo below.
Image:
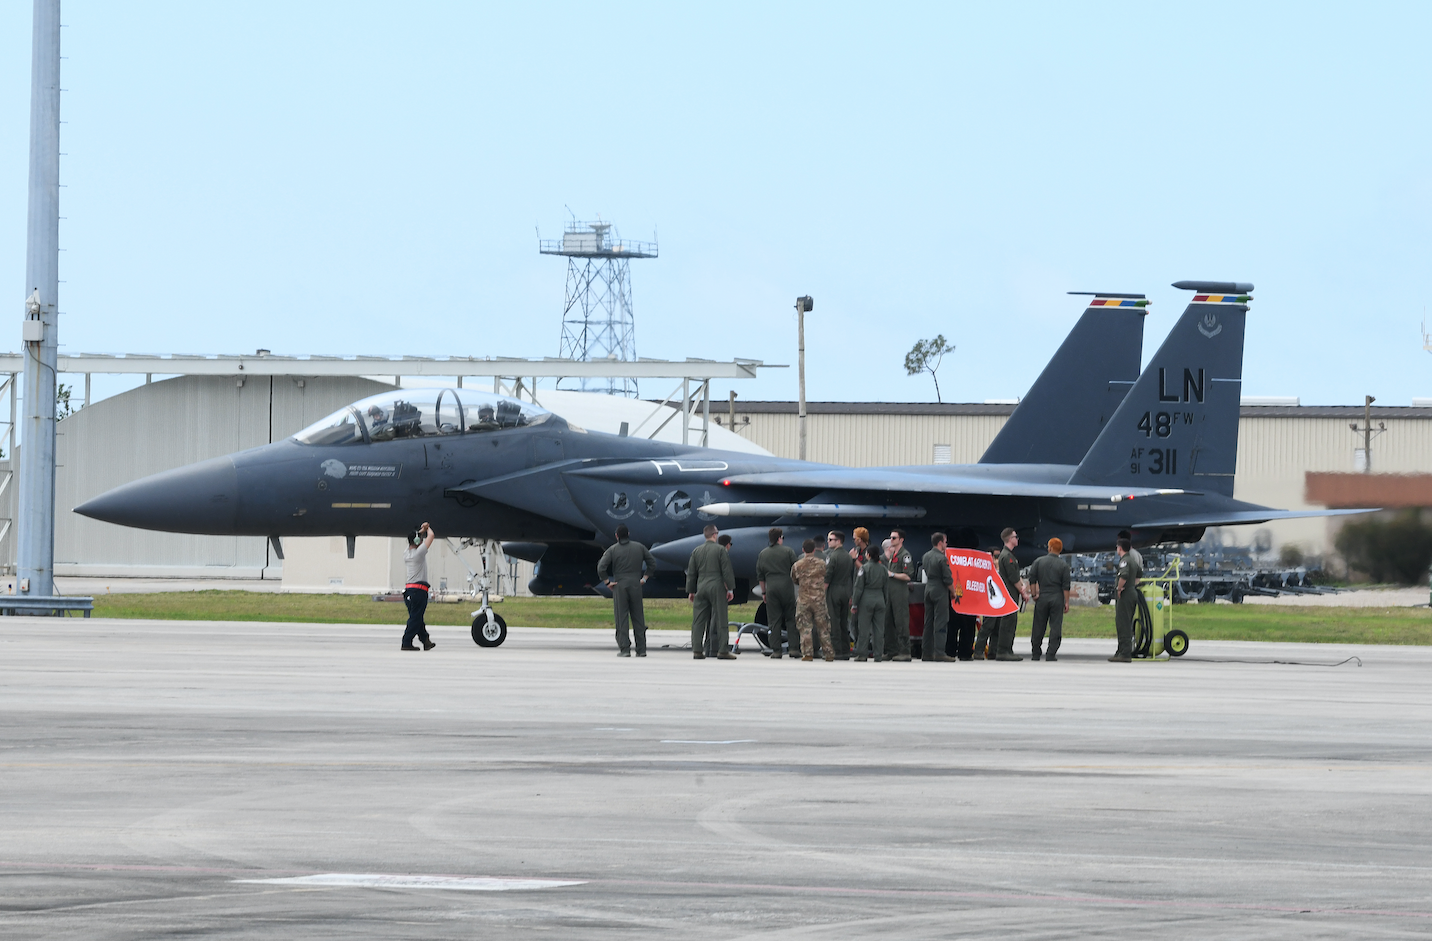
857	440
1275	453
168	424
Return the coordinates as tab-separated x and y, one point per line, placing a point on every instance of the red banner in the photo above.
984	592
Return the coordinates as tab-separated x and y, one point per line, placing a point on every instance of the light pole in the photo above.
803	306
35	506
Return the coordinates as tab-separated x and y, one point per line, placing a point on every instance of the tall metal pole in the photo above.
35	533
803	304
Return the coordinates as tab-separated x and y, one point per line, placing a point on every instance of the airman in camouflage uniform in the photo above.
809	575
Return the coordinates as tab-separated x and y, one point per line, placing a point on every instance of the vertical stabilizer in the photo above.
1178	426
1078	391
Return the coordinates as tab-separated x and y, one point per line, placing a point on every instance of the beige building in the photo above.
1277	446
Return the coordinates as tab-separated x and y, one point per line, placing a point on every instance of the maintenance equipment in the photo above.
1154	633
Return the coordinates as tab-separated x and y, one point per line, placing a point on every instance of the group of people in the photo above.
854	604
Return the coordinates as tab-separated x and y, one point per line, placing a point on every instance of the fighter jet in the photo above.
491	467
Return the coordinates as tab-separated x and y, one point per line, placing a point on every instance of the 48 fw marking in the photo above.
1162	423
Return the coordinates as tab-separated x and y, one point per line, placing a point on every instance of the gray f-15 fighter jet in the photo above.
1161	464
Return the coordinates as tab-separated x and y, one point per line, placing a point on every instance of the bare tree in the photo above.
926	356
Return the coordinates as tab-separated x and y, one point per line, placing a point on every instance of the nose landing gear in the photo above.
488	629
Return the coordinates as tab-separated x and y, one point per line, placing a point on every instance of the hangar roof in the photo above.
267	364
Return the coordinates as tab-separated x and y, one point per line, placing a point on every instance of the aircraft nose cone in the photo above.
199	498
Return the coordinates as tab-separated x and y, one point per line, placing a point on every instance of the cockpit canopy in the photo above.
421	413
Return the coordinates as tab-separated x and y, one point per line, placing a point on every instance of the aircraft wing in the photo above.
900	480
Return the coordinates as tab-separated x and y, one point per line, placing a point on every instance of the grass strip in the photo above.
1207	622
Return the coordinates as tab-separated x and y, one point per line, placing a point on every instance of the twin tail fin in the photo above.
1178	426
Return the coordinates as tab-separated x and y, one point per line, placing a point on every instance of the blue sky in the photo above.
363	178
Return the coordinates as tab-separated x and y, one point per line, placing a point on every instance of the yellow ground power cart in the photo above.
1154	633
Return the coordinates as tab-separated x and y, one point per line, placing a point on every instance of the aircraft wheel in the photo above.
1236	595
1176	643
489	635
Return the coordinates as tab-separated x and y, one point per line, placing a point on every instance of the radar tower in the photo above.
597	320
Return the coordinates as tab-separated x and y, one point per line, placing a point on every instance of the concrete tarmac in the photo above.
231	780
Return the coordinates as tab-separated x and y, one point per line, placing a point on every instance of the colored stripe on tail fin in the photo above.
1178	426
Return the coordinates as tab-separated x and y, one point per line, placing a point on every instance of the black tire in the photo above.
489	635
1143	626
1236	595
1209	594
1176	643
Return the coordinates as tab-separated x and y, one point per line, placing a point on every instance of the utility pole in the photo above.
1368	432
803	306
35	534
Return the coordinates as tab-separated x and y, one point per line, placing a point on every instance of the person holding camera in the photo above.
415	592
